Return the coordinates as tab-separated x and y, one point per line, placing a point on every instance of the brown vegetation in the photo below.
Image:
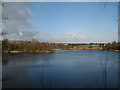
33	46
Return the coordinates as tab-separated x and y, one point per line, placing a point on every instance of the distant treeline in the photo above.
31	46
35	46
112	46
105	46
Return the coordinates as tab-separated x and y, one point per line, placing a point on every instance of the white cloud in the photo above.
74	36
21	33
18	27
18	20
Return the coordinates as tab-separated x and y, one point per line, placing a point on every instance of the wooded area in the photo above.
9	46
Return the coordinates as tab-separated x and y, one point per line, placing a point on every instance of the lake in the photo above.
61	69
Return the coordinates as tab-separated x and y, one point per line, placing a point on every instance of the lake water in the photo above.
61	69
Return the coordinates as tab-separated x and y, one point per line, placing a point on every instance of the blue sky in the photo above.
76	22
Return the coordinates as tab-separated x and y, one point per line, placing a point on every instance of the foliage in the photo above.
112	46
31	46
35	46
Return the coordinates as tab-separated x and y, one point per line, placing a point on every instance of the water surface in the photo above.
61	69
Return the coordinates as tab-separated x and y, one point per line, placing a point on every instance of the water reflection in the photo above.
105	69
27	58
106	72
62	69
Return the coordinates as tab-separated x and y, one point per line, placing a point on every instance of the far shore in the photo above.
37	51
48	51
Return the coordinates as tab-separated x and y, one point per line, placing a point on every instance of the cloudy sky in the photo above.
61	22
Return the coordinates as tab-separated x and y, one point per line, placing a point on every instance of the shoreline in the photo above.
37	51
49	51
